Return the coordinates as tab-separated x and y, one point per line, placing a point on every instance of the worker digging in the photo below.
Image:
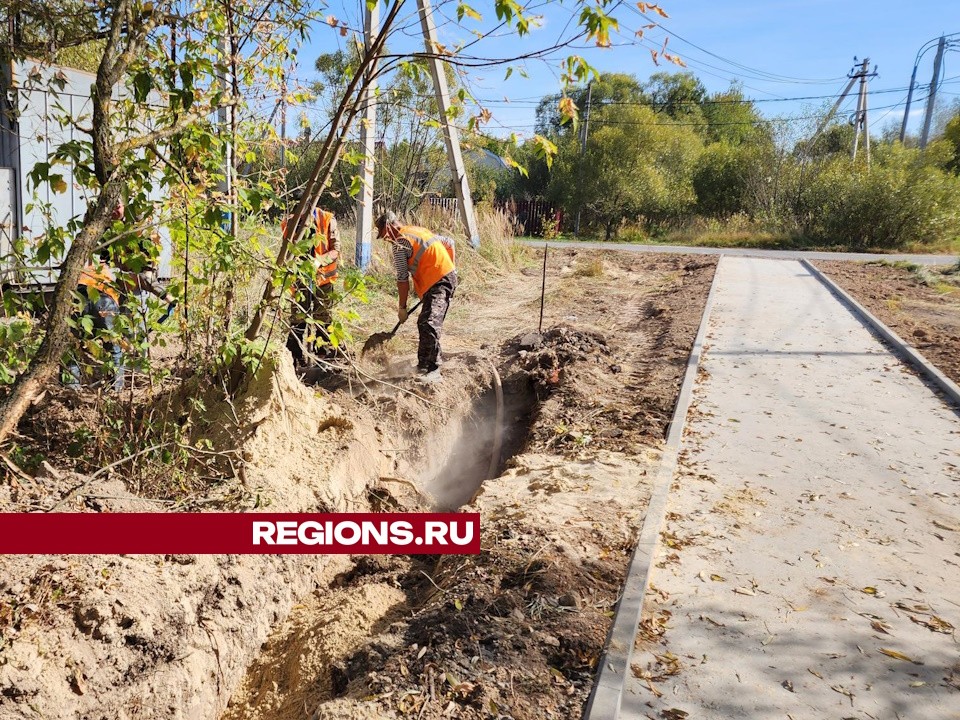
428	260
308	335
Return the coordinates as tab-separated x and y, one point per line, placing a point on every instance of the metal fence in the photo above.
528	217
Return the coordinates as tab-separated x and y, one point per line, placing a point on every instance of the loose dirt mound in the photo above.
515	630
635	327
171	636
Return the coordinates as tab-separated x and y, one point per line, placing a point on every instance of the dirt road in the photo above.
810	564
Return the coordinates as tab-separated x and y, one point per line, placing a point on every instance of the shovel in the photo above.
380	338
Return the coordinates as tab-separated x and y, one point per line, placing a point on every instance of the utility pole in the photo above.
368	130
808	145
906	109
866	123
833	111
583	147
932	98
860	116
283	120
225	121
461	183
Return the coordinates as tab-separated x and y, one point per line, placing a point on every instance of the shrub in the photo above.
904	198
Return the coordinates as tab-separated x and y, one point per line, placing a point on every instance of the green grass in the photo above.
943	280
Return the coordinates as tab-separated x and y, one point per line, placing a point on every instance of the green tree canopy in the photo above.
608	89
637	165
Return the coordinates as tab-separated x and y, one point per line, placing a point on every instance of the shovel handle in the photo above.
400	322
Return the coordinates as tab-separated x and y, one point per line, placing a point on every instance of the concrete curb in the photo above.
605	699
900	347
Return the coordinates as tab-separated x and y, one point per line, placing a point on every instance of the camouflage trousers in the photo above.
316	305
436	302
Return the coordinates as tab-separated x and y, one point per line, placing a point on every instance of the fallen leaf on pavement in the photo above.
899	656
843	691
934	623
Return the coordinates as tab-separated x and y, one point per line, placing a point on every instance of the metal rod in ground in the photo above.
543	287
497	426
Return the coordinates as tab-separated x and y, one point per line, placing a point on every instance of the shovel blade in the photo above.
374	341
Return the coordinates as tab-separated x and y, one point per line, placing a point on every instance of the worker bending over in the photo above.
318	297
428	260
101	303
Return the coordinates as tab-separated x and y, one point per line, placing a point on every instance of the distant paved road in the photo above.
749	252
810	564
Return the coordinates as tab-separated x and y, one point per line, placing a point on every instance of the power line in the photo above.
630	123
758	73
744	101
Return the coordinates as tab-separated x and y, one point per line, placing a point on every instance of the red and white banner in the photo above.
239	533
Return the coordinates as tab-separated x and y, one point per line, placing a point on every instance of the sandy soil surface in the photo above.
926	317
515	631
809	565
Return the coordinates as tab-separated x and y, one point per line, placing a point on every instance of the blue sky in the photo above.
775	49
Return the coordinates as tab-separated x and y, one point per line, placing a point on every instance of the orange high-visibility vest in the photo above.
430	259
100	278
326	274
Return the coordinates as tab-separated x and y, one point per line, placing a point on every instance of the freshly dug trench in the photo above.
104	637
494	431
556	526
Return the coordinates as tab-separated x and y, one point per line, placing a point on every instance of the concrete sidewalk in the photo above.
811	560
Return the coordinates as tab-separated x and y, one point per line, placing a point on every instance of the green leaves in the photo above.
464	10
545	149
517	166
512	12
577	70
19	340
142	85
356	185
598	24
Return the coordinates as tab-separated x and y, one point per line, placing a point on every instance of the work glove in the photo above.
402	314
322	260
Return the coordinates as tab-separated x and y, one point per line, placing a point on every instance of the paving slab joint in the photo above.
900	347
605	699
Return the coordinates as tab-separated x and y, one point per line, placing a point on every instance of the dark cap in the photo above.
387	218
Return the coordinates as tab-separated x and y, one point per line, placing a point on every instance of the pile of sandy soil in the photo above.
514	631
170	636
518	630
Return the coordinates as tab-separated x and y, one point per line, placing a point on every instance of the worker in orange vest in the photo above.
102	305
318	297
426	259
136	258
